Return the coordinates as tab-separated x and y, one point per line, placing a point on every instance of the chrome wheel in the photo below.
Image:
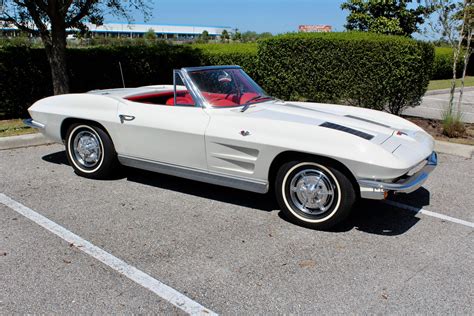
87	149
312	191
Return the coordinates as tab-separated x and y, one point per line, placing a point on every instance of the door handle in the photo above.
124	118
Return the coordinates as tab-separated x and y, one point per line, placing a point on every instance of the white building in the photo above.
166	31
161	30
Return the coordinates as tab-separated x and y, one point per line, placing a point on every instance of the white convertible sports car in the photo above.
216	125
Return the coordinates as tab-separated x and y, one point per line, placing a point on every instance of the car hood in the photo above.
393	133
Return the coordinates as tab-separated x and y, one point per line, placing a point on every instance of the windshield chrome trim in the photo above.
188	69
197	95
199	100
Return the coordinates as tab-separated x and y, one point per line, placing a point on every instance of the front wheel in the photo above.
314	195
90	151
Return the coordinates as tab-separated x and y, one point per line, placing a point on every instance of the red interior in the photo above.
184	98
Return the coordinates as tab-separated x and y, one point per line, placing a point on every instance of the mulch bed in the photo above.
435	129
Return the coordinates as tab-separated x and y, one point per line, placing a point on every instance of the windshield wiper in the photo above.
248	104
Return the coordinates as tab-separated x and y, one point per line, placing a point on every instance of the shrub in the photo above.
452	124
25	73
24	78
443	64
244	55
375	71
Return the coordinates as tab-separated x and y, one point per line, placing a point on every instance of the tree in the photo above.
387	17
225	36
204	36
454	22
236	35
249	36
52	18
150	35
265	35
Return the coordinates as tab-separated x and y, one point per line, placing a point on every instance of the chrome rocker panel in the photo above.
195	174
373	189
34	124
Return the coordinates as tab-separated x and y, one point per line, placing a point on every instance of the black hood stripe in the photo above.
347	130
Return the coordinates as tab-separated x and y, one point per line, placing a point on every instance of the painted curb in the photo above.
21	141
446	91
461	150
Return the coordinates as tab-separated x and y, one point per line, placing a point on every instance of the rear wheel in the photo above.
90	151
314	195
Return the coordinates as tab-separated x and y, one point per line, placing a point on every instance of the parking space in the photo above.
226	249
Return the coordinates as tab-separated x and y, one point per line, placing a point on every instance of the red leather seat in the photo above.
184	99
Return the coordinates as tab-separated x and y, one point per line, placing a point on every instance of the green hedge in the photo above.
362	69
244	55
25	74
443	64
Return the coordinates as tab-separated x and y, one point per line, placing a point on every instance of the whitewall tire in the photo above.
314	194
90	151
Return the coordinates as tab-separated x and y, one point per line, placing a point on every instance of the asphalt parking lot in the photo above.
434	105
225	249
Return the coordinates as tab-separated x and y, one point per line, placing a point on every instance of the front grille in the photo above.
347	130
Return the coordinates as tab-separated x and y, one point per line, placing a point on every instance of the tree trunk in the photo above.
467	55
56	53
456	54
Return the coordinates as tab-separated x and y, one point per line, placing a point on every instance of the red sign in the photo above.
314	28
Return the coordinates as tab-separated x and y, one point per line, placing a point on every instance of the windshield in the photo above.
227	87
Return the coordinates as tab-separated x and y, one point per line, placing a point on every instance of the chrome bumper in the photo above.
32	123
377	190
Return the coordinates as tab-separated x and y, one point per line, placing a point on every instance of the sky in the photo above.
275	16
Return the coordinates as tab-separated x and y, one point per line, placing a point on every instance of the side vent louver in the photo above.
347	130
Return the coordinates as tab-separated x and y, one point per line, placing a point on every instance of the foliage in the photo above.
443	64
446	20
204	37
251	36
452	124
362	69
380	72
385	17
236	36
51	19
91	68
225	36
244	55
150	35
455	22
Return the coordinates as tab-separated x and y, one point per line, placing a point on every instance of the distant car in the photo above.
216	125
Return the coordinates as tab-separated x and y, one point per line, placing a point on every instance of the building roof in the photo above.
140	28
157	28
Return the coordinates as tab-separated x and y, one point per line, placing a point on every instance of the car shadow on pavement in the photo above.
378	218
58	158
373	217
263	202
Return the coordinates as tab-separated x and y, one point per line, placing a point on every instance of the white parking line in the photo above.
430	213
162	290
